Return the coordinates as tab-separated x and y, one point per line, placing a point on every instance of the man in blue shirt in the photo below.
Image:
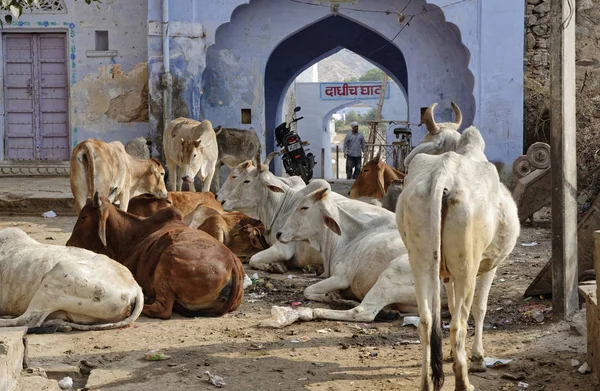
354	147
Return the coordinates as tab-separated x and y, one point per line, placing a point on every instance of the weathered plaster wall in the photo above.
108	95
475	57
314	127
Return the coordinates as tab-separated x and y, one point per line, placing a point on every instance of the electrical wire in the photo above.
387	12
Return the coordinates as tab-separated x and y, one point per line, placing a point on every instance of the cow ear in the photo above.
197	143
271	185
430	148
381	181
320	194
332	224
96	202
102	231
275	189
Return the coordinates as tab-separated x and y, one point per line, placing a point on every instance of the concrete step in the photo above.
37	383
36	195
12	352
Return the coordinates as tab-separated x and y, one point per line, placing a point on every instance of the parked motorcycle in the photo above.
295	160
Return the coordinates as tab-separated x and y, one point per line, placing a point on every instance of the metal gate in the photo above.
36	105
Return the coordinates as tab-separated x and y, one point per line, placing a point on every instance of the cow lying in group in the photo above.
272	207
63	286
235	147
374	179
100	167
362	251
243	235
191	205
190	149
458	222
179	268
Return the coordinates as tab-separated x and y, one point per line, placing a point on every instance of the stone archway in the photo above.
327	36
256	56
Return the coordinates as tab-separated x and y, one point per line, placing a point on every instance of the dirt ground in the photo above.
321	355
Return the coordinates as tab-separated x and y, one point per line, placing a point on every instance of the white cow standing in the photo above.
64	286
271	202
365	254
190	149
459	222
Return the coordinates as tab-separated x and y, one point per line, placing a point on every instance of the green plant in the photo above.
16	7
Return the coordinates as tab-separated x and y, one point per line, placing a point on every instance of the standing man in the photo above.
354	147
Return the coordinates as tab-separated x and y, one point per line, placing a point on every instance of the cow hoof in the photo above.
277	268
477	366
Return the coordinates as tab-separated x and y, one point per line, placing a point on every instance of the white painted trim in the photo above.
101	53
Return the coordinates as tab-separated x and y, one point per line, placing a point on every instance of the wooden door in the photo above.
36	97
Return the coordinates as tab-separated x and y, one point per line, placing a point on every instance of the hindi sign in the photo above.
353	90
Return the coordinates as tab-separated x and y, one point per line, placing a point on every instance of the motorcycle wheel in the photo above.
302	171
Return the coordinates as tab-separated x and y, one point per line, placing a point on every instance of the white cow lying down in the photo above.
68	285
365	254
263	196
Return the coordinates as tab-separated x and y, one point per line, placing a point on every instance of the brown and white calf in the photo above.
374	179
243	235
100	167
193	206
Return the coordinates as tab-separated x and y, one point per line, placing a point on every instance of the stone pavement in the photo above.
36	195
31	195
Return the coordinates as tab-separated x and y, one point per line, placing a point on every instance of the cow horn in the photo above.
270	157
458	113
377	157
96	202
259	163
218	130
429	121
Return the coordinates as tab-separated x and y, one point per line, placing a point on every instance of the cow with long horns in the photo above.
459	222
441	137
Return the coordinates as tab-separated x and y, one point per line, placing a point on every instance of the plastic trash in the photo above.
529	244
411	321
585	368
65	383
215	380
492	362
156	355
254	277
285	316
574	363
50	214
247	281
523	385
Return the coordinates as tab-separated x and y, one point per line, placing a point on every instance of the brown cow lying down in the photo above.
374	179
179	268
188	203
241	234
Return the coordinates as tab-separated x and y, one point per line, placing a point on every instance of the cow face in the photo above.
191	158
252	190
246	241
370	182
440	138
236	177
156	181
313	215
90	229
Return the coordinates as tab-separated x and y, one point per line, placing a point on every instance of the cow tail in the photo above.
237	288
137	310
435	339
